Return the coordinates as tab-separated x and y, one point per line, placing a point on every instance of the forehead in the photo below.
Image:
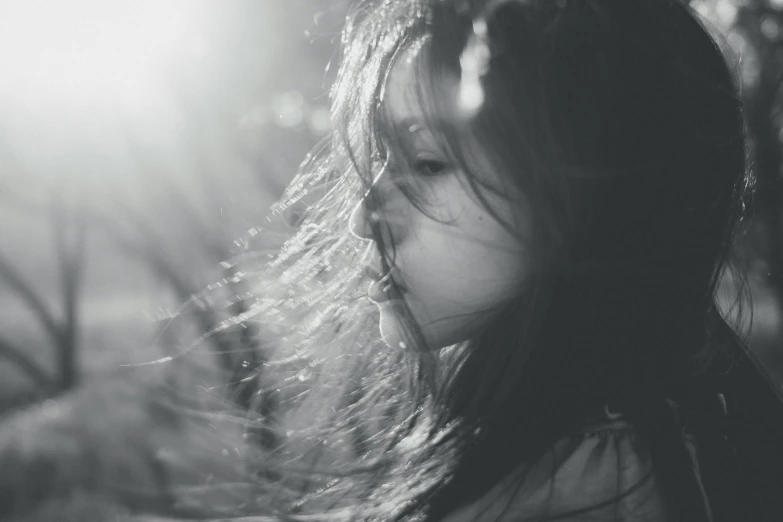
402	77
409	92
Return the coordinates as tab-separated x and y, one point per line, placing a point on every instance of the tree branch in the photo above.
70	253
21	287
32	369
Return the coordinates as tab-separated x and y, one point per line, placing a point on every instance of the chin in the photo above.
395	336
391	330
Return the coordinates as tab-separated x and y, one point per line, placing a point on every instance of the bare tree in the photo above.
70	232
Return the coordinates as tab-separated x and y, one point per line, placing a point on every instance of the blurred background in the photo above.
140	141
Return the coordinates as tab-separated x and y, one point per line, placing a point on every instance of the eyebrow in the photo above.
408	129
411	124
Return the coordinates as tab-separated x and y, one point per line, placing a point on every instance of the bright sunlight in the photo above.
93	53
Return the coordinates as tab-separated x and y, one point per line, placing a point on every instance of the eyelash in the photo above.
429	167
422	165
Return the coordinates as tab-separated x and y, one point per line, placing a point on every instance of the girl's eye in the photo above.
429	167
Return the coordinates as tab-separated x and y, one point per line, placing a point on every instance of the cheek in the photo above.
462	272
475	279
457	271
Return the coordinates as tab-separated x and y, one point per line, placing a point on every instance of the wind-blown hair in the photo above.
621	124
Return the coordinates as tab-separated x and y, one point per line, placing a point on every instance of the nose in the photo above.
378	216
362	220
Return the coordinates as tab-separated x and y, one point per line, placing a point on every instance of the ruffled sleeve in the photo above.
604	467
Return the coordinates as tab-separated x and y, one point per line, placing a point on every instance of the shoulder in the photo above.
602	472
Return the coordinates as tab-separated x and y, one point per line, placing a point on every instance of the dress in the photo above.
595	465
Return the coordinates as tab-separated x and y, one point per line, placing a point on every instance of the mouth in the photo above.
383	287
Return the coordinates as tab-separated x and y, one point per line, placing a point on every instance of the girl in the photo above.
500	301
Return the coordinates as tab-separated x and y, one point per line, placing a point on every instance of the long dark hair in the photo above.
620	122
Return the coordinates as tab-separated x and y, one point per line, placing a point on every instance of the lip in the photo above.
380	292
372	273
383	288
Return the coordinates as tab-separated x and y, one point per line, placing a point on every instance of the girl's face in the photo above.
456	264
